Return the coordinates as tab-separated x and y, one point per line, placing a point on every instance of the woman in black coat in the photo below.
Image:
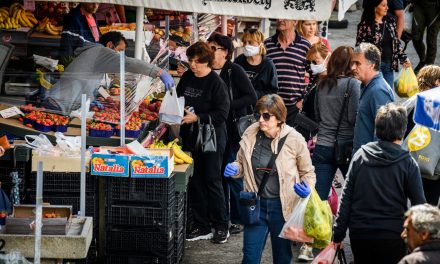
243	97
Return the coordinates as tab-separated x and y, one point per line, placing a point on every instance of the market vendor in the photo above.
79	27
85	73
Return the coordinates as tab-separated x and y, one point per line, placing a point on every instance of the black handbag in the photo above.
343	148
306	124
243	122
206	139
250	201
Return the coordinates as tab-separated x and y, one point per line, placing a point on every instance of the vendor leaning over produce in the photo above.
86	72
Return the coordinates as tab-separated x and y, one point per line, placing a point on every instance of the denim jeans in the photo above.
254	237
387	73
325	168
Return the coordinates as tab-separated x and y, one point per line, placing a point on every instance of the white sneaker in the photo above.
305	253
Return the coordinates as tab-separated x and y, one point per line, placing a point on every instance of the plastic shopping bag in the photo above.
406	84
171	111
326	256
318	221
408	13
293	229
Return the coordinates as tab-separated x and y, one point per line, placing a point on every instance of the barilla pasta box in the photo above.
114	165
157	163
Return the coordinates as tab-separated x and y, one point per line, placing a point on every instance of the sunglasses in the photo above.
214	48
250	30
266	116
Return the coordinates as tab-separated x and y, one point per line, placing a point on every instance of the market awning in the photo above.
283	9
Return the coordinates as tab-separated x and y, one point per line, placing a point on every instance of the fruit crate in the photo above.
180	222
63	182
73	201
180	201
154	218
6	179
130	259
139	241
179	247
157	192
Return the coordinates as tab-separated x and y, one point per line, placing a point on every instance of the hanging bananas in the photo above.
16	16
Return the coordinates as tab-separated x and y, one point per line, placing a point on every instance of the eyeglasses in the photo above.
214	48
250	30
266	116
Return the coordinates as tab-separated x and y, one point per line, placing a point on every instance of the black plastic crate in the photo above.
6	179
62	182
154	191
145	217
180	201
73	201
130	259
141	242
180	222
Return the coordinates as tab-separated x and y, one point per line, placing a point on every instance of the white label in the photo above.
103	92
13	111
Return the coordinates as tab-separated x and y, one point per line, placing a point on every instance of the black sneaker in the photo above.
235	229
220	236
198	234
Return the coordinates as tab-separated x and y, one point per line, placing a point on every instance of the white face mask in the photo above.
318	68
250	50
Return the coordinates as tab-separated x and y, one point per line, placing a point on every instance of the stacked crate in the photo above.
140	220
180	225
63	188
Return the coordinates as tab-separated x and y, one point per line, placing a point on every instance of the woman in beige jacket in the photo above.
293	167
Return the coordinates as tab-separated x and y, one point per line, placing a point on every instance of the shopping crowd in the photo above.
318	109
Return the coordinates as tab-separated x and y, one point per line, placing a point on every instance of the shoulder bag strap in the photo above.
343	107
271	165
199	135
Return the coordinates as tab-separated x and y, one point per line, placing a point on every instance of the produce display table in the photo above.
53	248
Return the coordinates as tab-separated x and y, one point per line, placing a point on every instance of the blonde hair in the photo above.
300	24
427	77
318	47
256	36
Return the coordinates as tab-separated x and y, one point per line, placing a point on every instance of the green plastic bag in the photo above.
406	84
318	221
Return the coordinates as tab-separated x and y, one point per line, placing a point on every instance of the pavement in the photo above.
199	252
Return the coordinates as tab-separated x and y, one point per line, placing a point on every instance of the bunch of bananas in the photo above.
46	26
180	157
16	16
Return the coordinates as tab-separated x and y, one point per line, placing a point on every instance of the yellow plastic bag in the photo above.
406	84
318	221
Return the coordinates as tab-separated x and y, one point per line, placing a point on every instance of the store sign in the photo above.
110	165
283	9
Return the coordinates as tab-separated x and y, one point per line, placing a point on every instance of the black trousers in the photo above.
292	111
432	191
206	196
378	251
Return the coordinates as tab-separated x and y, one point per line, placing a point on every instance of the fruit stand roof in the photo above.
283	9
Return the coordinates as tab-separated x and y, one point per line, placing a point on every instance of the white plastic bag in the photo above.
171	110
408	19
293	229
40	143
69	145
326	256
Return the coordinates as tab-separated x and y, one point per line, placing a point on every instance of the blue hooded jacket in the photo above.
373	95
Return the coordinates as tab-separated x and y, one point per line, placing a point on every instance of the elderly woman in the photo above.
259	68
380	29
243	97
207	95
292	170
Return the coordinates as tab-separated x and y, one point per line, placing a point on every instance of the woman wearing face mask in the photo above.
259	68
242	96
328	106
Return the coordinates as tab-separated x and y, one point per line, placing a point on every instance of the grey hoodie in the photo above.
86	72
381	178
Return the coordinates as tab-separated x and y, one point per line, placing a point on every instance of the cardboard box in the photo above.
158	163
59	163
114	165
24	215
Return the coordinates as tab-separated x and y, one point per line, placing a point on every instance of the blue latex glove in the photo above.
97	104
230	170
167	79
302	189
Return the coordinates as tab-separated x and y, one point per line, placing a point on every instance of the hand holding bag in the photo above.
242	123
206	139
250	201
343	148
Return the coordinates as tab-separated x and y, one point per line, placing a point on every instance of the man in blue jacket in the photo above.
375	92
79	27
